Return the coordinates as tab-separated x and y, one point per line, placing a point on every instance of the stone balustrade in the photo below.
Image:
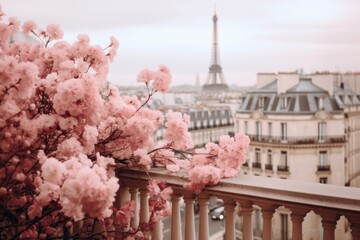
241	195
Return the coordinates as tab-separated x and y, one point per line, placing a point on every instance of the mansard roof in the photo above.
305	85
303	98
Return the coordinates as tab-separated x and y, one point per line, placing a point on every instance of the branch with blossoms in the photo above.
63	135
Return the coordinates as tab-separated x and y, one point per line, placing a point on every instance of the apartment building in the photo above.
302	128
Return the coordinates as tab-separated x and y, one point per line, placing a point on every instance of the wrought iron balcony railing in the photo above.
256	165
282	168
322	168
297	139
330	202
268	166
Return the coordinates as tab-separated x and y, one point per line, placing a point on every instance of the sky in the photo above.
254	36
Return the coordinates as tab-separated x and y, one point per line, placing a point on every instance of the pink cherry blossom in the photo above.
65	135
125	214
53	171
144	159
54	31
173	167
201	176
89	137
145	76
162	79
28	26
2	13
87	193
114	42
177	130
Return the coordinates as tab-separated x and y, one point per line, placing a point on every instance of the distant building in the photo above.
207	122
304	129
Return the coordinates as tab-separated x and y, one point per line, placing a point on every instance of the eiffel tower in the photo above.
215	81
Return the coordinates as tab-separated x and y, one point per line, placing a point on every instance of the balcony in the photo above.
249	192
323	168
268	167
256	165
283	168
296	140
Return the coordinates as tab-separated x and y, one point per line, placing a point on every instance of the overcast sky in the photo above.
254	36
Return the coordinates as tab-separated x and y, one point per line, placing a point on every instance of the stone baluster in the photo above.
229	205
189	216
144	205
328	222
158	231
297	218
267	211
246	212
354	220
176	217
134	197
203	216
122	196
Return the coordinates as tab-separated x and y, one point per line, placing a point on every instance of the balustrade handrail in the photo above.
329	201
277	191
297	139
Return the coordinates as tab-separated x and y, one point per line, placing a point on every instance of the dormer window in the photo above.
284	103
261	102
321	103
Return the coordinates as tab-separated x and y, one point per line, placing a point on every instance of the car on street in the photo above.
218	213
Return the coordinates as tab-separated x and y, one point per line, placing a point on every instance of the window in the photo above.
283	131
261	102
268	164
257	163
246	127
323	162
257	155
322	131
269	157
323	180
283	103
283	165
246	163
284	226
323	158
283	158
321	103
258	130
191	124
270	131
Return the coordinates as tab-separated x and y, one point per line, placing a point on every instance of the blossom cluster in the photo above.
63	133
221	160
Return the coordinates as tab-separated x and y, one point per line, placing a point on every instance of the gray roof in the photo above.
271	87
305	85
303	98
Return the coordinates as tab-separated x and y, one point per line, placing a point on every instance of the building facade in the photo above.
302	128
